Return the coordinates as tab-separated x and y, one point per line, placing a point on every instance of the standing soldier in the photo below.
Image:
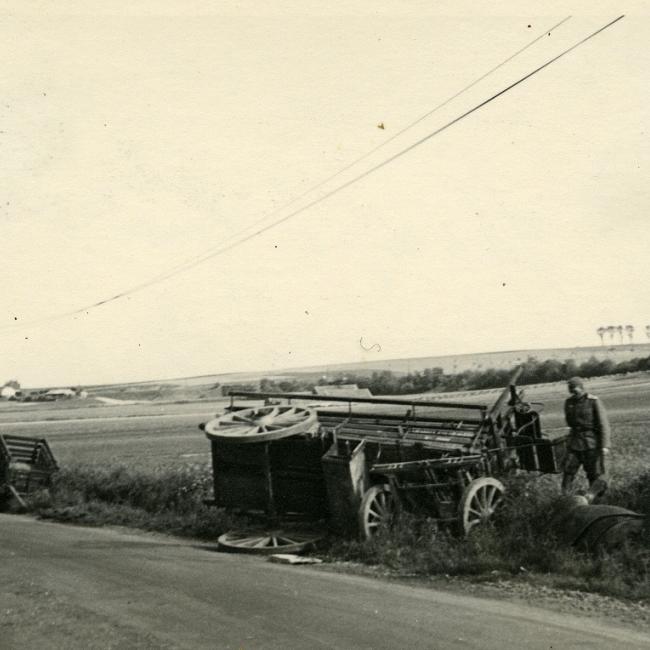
589	439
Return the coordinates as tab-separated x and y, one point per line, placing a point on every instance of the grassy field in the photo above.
135	435
147	465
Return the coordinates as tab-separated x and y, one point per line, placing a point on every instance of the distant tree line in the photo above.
533	372
385	382
612	331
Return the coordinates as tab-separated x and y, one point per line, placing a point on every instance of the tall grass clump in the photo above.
164	499
525	539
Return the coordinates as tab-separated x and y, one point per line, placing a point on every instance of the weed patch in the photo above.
162	499
521	542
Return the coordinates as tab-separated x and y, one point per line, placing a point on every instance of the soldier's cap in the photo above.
576	381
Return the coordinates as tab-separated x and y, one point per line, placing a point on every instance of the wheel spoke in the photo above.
235	539
231	424
290	418
372	511
253	542
240	431
240	418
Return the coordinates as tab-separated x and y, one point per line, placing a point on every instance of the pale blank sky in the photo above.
132	142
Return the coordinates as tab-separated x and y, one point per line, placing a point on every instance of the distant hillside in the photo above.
483	361
208	386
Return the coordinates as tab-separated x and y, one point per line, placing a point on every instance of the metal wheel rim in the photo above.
480	501
267	542
261	424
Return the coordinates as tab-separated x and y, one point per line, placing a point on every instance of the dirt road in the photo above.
70	587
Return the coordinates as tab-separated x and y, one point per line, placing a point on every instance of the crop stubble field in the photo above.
138	435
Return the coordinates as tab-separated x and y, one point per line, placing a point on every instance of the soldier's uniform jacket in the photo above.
588	421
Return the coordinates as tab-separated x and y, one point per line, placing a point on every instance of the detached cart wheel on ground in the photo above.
268	542
480	500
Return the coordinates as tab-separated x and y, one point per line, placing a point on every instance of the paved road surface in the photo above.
70	587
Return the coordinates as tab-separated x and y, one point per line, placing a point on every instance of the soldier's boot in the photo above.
597	488
567	483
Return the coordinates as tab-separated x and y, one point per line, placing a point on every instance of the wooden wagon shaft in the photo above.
507	399
432	444
360	400
468	424
442	463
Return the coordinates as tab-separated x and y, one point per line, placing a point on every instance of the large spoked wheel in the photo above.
377	508
480	500
268	542
261	424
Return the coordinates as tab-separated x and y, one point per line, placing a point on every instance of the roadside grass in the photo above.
525	540
164	499
523	543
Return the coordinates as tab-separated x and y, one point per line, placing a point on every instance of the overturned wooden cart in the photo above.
360	460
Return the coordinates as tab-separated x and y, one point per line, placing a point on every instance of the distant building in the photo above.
8	392
58	393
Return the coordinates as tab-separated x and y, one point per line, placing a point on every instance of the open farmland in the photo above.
137	435
157	433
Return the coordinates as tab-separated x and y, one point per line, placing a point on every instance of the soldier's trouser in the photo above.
592	461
